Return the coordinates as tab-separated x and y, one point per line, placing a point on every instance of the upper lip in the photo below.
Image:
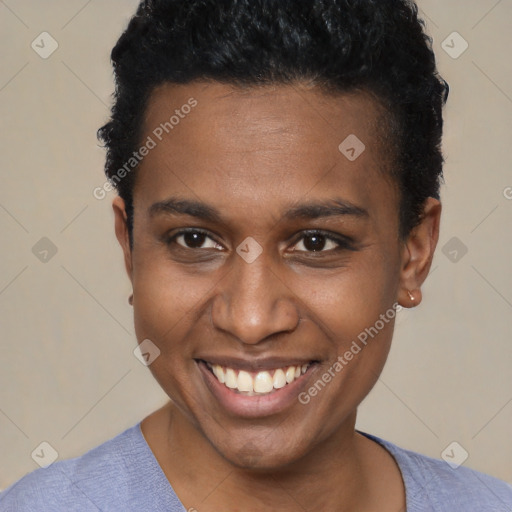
255	365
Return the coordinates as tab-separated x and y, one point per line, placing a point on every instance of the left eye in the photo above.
318	242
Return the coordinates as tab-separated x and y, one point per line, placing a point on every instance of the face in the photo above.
262	255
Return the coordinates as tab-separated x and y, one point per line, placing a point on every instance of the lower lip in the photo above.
255	406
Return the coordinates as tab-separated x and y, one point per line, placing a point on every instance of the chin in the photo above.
267	453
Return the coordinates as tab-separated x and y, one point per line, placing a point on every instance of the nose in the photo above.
252	302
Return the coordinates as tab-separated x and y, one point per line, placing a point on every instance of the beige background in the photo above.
67	372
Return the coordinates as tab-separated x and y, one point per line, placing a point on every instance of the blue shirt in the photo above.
123	475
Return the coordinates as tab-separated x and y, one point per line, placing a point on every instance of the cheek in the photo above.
165	311
355	309
351	300
166	302
356	312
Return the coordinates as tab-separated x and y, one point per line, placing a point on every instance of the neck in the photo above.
334	472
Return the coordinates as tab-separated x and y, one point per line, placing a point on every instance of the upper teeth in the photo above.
261	382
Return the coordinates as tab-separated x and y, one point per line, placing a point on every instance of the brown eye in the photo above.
317	242
194	239
314	242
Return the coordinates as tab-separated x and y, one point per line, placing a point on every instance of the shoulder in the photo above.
102	476
446	487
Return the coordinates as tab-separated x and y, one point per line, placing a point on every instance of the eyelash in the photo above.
343	243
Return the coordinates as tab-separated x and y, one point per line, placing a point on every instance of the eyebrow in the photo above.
330	208
312	210
175	206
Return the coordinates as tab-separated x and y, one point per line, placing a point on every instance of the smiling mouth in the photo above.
257	383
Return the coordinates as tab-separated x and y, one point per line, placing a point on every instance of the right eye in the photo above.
194	239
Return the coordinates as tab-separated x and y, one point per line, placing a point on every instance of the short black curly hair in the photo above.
378	46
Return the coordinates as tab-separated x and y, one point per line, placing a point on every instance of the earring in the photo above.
130	300
411	296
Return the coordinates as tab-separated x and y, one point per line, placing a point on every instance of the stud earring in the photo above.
411	296
130	300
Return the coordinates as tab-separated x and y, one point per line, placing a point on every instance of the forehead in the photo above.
262	146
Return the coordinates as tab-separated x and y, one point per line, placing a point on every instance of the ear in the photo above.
121	228
418	253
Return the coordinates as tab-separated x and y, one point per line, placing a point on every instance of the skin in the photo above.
252	154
